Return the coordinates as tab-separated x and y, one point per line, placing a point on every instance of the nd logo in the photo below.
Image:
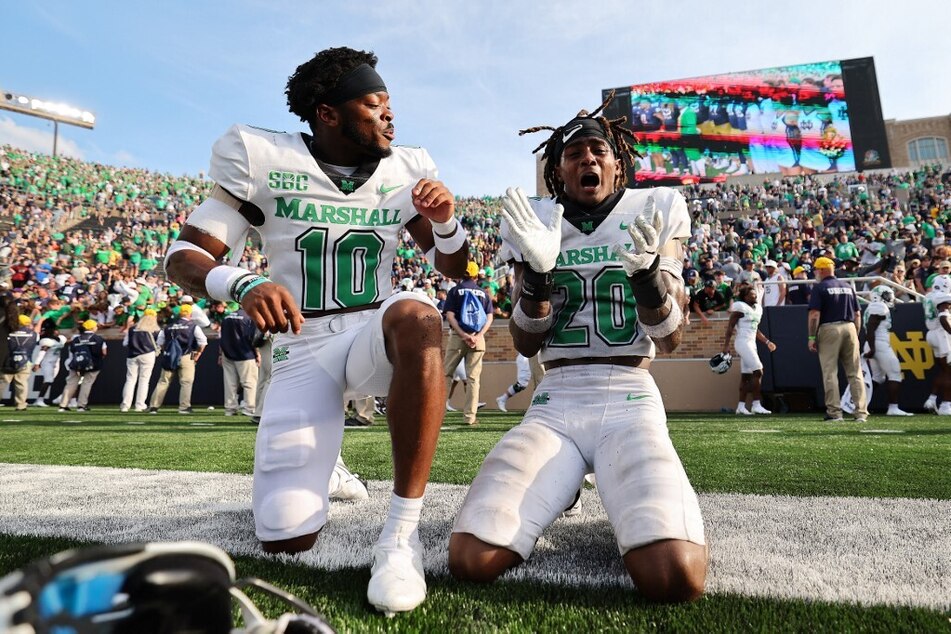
914	353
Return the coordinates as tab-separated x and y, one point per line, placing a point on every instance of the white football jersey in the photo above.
880	309
930	306
592	300
332	249
748	324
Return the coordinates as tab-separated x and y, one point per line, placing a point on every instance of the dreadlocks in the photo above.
313	79
620	138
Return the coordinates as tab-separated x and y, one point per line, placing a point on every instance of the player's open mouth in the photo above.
389	133
590	181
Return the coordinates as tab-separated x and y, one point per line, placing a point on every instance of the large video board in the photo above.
792	120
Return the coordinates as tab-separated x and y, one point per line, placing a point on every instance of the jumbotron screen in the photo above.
823	117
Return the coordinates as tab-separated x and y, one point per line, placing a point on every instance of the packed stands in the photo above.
94	236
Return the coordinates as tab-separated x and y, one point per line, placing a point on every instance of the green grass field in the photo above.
790	455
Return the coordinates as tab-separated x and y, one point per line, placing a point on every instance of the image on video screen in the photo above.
790	120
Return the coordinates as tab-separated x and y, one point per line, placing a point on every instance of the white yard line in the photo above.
862	550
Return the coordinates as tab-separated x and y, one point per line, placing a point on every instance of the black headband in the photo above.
360	81
578	128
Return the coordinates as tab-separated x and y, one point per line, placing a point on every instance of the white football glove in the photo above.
645	238
538	244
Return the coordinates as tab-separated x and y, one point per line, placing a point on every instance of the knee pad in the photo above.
286	441
288	502
291	512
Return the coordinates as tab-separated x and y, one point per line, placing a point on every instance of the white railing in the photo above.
918	297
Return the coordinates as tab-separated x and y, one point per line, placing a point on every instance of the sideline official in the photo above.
834	322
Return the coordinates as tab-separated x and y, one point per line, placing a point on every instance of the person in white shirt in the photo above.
745	314
878	346
774	294
198	313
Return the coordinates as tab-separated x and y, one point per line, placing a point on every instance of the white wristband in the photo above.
534	325
448	236
221	280
668	325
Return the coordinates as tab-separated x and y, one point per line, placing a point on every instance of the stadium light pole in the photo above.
54	111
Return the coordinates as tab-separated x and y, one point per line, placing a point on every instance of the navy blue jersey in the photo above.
456	293
237	337
835	300
139	343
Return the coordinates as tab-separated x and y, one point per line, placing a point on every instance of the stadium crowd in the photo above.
81	241
86	241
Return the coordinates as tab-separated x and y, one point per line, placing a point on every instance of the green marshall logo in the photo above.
587	226
541	399
297	209
346	186
279	354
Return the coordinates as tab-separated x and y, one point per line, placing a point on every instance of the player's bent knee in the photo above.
471	559
290	546
412	324
669	571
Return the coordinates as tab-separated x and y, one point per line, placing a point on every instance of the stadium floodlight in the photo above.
52	110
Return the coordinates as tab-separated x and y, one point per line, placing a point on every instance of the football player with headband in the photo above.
597	289
330	205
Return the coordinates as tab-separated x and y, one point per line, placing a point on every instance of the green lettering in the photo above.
273	180
374	218
560	261
301	183
585	256
601	254
359	216
327	213
310	213
343	215
288	210
573	257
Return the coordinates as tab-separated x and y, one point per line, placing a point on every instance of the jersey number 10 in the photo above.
352	270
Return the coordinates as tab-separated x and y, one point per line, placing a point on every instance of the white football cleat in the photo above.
931	405
759	409
345	485
397	582
575	507
743	411
500	401
945	409
894	410
450	408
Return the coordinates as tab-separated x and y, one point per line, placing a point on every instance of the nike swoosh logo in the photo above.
570	133
386	190
631	397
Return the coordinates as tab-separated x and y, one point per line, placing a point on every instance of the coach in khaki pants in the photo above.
465	343
193	341
834	322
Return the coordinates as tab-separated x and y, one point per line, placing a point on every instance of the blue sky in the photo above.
166	78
